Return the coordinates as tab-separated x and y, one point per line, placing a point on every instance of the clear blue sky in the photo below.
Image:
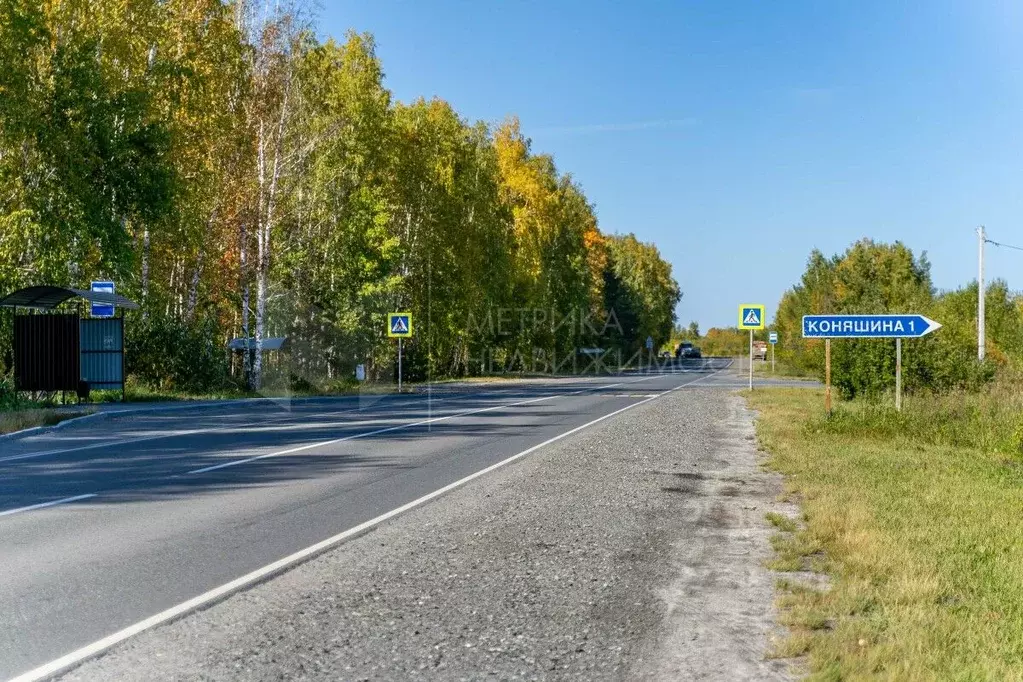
738	136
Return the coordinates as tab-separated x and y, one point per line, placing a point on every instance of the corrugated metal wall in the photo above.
103	353
46	354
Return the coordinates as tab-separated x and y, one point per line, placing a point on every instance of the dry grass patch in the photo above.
922	537
26	419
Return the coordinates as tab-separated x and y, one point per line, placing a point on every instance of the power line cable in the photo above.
1006	246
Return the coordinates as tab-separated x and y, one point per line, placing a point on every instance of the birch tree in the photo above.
278	39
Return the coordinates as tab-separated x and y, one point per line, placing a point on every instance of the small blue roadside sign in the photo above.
103	309
649	343
773	337
867	326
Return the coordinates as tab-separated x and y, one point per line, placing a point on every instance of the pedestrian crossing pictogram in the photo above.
751	316
399	324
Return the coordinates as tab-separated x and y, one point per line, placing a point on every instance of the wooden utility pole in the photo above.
827	376
898	374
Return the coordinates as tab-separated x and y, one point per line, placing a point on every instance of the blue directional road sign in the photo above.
867	326
103	309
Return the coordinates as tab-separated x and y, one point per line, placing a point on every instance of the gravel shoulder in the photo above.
633	550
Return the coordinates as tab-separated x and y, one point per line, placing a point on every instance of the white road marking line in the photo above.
398	427
107	443
190	432
170	434
42	505
47	504
88	651
212	429
711	375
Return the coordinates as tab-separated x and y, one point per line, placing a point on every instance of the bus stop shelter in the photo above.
66	351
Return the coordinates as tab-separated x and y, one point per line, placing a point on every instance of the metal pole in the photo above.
980	293
898	374
772	357
399	364
827	376
751	359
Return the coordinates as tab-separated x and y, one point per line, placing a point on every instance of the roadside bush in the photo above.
9	399
165	353
414	363
988	419
866	367
299	384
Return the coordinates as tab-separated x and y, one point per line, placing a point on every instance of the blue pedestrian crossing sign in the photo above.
399	325
751	316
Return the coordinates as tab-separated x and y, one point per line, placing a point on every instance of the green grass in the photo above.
25	419
991	420
918	519
781	522
782	370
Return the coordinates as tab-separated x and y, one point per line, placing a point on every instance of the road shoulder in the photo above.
632	550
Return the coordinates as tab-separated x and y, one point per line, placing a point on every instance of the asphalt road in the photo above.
108	522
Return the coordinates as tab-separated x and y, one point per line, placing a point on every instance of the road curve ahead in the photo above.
109	522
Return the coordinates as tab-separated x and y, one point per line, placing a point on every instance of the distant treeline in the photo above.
872	277
236	176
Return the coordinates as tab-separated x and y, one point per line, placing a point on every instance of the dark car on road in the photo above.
687	350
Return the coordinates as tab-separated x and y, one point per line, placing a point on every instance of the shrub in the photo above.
989	419
166	353
9	399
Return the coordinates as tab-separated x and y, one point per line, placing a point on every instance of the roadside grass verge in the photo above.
782	370
26	419
917	517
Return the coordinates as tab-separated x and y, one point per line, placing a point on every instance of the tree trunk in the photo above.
193	287
261	291
145	271
243	260
267	203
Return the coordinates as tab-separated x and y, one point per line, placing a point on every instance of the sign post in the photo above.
898	374
898	327
650	352
399	325
773	338
827	377
751	316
